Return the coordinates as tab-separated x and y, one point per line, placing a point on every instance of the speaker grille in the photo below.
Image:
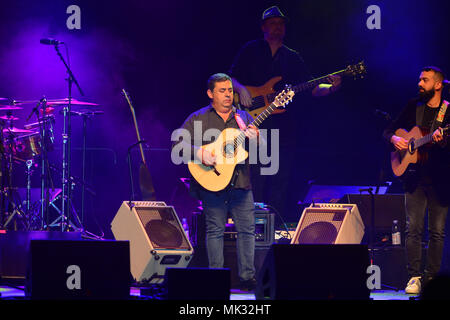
162	228
320	226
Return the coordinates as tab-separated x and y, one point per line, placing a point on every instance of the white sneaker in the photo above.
413	286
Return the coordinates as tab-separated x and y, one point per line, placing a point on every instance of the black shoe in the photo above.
248	285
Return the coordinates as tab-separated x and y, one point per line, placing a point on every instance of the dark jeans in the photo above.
216	206
422	198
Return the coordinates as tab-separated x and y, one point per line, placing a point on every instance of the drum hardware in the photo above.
67	131
9	108
14	210
45	125
29	172
85	114
9	118
74	181
65	101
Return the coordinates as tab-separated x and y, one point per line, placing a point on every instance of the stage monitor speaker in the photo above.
329	223
157	239
314	272
78	269
197	284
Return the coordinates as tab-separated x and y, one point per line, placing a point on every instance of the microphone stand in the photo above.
66	181
2	178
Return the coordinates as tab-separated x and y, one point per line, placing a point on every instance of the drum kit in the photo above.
31	145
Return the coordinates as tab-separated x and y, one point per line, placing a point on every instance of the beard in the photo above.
426	95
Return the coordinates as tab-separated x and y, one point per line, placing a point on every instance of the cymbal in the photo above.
14	102
9	118
65	101
16	130
9	108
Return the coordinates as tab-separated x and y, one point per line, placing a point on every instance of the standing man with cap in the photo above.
257	62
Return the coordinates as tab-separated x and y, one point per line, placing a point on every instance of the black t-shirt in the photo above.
429	114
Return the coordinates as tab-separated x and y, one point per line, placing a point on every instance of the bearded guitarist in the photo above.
425	182
257	62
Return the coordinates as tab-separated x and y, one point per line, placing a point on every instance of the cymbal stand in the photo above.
66	157
29	164
8	190
2	160
85	115
45	172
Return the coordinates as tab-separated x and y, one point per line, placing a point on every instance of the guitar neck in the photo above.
257	122
315	82
309	85
427	139
141	148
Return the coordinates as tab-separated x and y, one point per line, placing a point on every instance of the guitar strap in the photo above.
240	122
243	127
440	116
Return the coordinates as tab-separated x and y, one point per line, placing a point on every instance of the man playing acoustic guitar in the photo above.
237	198
425	182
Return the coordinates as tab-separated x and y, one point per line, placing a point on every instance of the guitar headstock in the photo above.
445	130
356	70
284	97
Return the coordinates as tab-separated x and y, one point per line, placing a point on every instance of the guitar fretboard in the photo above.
306	86
257	122
426	139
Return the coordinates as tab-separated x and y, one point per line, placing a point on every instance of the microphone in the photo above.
50	41
36	108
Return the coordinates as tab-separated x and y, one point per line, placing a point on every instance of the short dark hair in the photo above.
437	71
217	77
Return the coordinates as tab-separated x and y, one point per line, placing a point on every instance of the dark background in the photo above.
162	52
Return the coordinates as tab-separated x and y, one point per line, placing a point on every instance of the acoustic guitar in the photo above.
229	150
417	138
145	178
264	95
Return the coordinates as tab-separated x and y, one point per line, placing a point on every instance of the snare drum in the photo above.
27	147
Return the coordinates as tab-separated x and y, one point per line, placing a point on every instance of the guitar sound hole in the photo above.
411	147
229	150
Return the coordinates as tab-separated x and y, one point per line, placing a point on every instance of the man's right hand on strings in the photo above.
399	142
